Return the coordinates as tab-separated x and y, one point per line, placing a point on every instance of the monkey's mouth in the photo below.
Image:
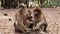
36	14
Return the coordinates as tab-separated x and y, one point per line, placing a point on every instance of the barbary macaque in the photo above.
39	19
21	24
29	18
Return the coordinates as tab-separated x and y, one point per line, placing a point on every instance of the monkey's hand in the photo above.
28	29
34	28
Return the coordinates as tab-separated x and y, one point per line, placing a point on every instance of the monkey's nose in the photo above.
36	14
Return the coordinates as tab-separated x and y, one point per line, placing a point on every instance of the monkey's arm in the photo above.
20	22
42	20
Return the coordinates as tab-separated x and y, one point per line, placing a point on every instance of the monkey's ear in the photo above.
22	5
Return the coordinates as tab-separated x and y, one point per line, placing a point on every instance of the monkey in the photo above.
29	18
29	15
39	19
21	19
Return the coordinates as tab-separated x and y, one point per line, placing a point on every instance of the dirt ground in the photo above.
52	16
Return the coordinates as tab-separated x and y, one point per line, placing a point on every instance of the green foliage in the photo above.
51	3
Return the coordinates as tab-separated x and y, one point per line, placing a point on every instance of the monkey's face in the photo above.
23	10
36	13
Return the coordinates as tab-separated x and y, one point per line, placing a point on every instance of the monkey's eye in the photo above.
34	11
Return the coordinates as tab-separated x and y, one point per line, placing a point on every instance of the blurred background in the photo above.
42	3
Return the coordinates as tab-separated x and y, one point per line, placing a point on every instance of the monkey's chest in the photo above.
37	20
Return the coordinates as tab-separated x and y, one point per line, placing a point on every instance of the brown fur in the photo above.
21	5
21	18
39	19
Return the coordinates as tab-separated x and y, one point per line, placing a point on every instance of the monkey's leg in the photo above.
18	28
44	26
